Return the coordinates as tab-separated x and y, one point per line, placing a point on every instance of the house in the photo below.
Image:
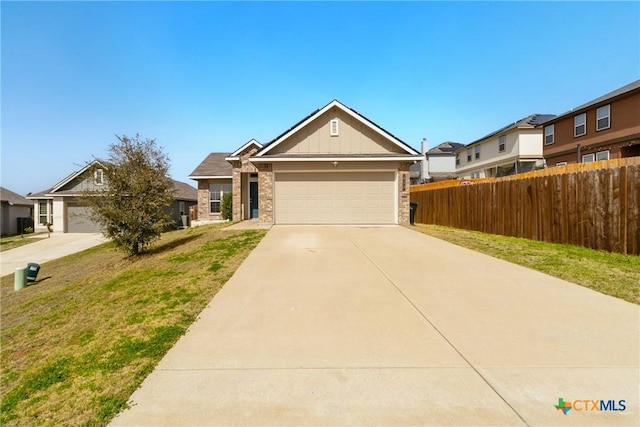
439	163
334	166
514	148
61	205
16	213
605	128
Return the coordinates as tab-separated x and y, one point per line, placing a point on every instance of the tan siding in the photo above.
353	138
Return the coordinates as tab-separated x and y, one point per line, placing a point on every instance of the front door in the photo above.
253	199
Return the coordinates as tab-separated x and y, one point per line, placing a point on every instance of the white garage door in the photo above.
78	220
335	198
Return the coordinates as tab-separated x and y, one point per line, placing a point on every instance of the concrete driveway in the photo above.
387	326
47	249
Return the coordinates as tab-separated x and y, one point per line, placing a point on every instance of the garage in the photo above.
335	198
78	220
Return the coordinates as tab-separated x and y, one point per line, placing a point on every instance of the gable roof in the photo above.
235	154
214	165
633	86
447	147
13	198
72	176
184	191
528	122
335	103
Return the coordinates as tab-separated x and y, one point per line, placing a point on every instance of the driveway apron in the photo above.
329	325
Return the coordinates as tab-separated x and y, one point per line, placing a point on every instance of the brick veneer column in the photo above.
403	196
265	193
236	188
203	199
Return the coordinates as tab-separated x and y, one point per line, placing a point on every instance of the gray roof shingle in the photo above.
13	198
213	165
184	191
447	147
633	86
528	122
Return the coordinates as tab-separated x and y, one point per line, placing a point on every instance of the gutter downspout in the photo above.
578	153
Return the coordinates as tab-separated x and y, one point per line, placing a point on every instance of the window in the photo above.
43	212
333	125
477	152
216	192
457	159
580	125
602	155
502	143
549	134
588	158
468	155
602	117
97	175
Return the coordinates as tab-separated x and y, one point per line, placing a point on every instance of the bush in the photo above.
226	206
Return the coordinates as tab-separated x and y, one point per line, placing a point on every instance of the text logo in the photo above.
587	405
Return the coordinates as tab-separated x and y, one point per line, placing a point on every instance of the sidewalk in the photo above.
47	249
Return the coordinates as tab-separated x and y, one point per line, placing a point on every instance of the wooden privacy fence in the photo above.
596	205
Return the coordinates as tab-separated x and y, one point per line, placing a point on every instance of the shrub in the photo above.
226	206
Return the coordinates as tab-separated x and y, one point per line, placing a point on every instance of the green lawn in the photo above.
76	345
613	274
11	242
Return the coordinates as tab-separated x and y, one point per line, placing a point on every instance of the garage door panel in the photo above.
78	220
335	198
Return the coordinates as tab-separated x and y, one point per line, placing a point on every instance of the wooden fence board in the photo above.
593	205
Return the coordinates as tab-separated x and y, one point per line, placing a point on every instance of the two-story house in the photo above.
439	163
605	128
514	148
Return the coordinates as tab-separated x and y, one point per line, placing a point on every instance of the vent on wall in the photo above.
333	125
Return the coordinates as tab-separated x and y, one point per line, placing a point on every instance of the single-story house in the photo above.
14	208
335	166
61	205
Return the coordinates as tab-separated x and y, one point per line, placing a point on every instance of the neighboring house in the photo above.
333	167
439	163
605	128
512	149
61	205
12	207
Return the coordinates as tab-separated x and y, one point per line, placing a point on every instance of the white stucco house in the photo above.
512	149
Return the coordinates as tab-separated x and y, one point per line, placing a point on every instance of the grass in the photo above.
613	274
76	346
12	242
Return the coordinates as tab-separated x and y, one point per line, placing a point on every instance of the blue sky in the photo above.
208	76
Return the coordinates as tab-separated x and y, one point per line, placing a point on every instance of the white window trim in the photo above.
583	124
211	199
608	153
551	134
96	174
469	155
334	128
586	157
607	116
502	143
476	152
561	164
